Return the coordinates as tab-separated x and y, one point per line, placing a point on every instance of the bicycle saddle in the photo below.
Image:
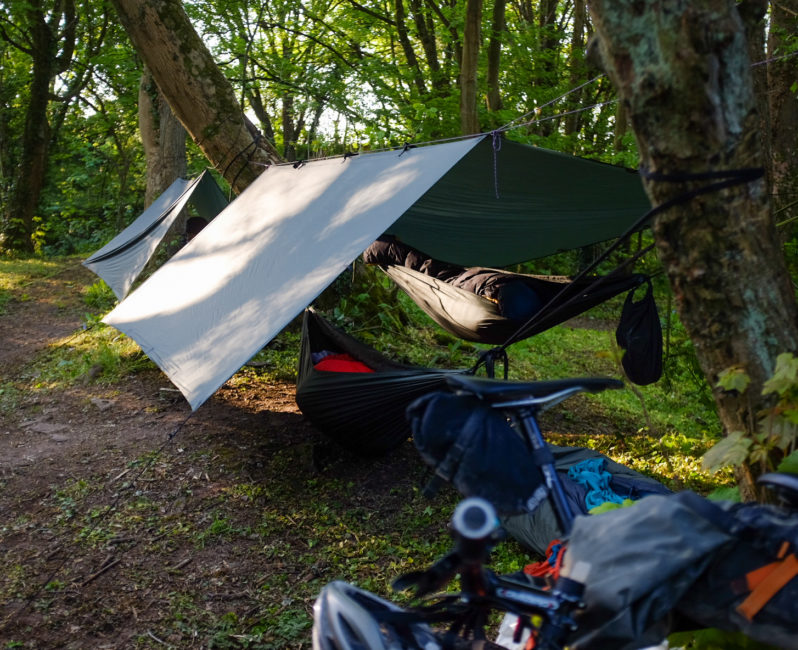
494	390
785	486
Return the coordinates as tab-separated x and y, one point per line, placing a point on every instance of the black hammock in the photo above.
362	411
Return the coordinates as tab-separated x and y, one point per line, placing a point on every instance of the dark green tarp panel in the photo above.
121	260
497	208
362	411
472	317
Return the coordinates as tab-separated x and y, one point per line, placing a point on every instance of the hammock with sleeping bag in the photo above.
486	305
354	394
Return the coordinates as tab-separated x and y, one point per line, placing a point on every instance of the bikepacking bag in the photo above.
474	447
639	333
684	558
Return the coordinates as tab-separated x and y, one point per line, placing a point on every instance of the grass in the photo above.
304	528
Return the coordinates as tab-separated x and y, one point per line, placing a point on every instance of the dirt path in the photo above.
113	535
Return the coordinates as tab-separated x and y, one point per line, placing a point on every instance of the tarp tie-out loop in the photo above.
254	146
407	148
488	358
350	154
732	177
497	147
743	175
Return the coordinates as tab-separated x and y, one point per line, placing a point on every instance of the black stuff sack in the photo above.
476	449
639	333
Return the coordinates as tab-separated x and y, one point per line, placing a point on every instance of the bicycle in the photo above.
348	618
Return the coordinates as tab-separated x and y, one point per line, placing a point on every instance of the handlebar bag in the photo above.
476	448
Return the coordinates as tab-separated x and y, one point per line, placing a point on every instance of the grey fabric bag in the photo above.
677	554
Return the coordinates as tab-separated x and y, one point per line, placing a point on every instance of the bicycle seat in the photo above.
785	485
497	390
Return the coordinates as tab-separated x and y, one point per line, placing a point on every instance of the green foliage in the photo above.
777	430
714	639
789	464
731	451
100	297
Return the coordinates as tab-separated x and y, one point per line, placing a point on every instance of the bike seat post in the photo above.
545	460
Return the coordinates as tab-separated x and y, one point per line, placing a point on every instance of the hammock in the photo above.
488	305
473	317
362	411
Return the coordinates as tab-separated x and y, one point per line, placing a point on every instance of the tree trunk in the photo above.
197	91
51	50
469	122
682	70
163	137
407	47
783	106
498	27
576	65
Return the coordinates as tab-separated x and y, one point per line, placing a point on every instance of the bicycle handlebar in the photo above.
476	530
475	526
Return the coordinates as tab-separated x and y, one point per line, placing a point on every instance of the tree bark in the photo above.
783	105
407	46
163	138
682	70
197	91
577	65
469	122
51	49
498	27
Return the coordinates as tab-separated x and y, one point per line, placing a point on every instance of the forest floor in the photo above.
127	521
116	535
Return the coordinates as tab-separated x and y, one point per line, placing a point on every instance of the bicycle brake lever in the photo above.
432	579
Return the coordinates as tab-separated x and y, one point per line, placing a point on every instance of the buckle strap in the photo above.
767	581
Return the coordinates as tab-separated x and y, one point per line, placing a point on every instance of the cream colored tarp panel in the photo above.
259	263
121	260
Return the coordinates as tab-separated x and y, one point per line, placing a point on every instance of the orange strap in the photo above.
551	565
766	582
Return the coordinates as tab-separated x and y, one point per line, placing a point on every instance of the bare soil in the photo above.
125	523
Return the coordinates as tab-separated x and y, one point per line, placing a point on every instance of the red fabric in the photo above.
341	363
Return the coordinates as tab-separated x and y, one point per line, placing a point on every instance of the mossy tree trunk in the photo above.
682	71
469	120
199	94
163	138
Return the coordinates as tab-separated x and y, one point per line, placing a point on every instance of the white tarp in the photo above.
264	258
121	260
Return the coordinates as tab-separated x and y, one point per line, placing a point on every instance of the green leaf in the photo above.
789	464
784	376
733	379
731	451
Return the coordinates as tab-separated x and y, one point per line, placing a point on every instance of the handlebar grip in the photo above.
474	523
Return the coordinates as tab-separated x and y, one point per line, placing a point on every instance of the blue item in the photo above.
590	473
